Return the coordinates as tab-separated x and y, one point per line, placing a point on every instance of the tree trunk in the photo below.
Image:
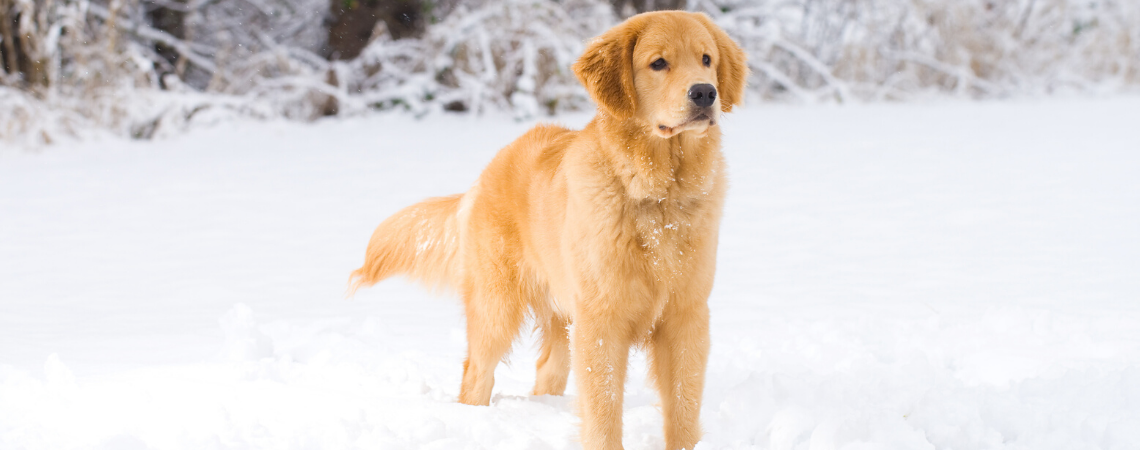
352	23
640	6
9	63
20	52
31	63
173	22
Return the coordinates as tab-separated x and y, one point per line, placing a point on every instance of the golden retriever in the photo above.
612	229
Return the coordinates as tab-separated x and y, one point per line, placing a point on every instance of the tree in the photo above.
352	23
640	6
22	62
10	61
168	16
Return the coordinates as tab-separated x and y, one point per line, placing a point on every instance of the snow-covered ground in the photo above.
924	276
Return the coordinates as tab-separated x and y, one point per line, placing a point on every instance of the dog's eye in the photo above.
659	64
706	60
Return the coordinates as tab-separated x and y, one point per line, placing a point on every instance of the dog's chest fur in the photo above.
640	222
671	189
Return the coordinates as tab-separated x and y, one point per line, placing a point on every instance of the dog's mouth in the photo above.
692	122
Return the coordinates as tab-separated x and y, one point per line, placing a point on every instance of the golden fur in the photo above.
612	228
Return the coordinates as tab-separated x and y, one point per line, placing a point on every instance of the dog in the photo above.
612	228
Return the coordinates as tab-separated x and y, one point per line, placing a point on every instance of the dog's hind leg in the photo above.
554	359
495	310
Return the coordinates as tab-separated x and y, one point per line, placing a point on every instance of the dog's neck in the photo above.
655	168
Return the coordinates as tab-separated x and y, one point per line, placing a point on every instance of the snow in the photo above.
945	275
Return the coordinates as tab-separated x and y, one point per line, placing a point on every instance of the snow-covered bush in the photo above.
507	55
89	64
895	49
511	55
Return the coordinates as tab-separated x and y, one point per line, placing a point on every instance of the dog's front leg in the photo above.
679	348
601	352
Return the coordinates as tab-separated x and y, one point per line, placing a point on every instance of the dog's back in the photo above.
425	241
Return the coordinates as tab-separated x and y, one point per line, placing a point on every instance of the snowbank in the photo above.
946	275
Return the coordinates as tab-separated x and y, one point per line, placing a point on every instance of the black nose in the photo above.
702	94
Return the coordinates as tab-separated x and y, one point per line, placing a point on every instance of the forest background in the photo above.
145	68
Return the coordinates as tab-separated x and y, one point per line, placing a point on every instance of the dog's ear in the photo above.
731	69
606	69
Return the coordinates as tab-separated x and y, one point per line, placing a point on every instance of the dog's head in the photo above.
675	71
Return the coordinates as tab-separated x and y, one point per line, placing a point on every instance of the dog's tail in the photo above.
421	242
